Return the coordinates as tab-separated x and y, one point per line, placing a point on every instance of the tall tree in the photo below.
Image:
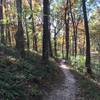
26	29
46	30
33	28
88	58
67	29
8	34
55	42
50	45
73	25
1	22
20	31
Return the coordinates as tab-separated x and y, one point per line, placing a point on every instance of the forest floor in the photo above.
67	89
35	80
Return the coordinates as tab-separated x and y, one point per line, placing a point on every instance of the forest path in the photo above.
67	90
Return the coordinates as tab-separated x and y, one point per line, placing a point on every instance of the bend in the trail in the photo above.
67	89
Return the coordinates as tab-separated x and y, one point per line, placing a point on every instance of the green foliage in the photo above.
78	63
10	85
96	68
16	74
13	78
36	91
9	51
94	29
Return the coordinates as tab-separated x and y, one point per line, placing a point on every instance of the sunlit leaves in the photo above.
95	28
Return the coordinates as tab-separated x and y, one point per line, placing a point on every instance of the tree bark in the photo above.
8	34
27	35
67	29
74	36
46	30
67	34
63	46
55	45
88	58
50	45
33	28
1	22
20	31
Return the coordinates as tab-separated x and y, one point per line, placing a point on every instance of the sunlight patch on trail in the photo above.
64	67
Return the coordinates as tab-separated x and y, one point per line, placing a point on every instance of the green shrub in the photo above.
96	68
9	51
78	63
36	91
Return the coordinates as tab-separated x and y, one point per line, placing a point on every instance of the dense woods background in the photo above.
35	32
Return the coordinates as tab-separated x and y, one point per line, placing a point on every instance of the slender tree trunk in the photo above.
88	60
34	35
50	45
33	29
50	48
63	46
55	43
67	34
1	22
46	30
20	31
27	35
67	29
74	34
2	34
8	35
8	40
55	46
74	49
76	40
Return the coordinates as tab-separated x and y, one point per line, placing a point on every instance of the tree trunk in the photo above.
46	30
55	45
67	34
74	37
27	35
1	22
34	35
50	48
50	45
76	40
20	31
63	46
33	29
88	60
66	20
8	35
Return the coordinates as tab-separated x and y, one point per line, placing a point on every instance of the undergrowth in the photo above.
89	89
78	64
22	78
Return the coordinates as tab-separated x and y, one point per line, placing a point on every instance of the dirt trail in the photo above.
67	89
